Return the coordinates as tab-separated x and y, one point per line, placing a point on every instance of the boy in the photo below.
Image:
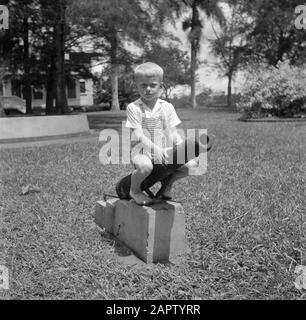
152	119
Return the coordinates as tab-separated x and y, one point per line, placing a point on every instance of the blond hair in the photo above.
149	69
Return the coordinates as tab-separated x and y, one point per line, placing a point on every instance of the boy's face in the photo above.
148	87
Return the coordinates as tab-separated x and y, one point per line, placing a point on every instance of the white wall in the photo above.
86	99
7	88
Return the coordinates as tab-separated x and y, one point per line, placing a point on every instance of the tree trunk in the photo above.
27	91
114	72
115	93
50	86
229	90
2	112
194	51
166	92
193	100
60	91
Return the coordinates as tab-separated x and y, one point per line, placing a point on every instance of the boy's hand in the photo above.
160	155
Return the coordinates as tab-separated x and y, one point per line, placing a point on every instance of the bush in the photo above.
181	102
278	91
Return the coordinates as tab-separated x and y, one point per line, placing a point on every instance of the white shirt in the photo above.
154	122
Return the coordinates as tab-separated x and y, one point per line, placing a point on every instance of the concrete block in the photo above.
105	216
155	233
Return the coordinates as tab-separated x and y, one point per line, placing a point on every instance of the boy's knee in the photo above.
144	165
191	168
194	163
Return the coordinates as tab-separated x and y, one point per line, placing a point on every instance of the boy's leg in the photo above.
144	167
182	172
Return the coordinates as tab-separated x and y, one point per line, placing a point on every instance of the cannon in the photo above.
178	155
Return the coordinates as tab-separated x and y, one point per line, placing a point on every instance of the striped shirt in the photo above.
154	122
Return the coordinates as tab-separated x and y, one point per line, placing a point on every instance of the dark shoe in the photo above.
165	188
162	197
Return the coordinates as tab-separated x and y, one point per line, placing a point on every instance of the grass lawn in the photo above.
244	220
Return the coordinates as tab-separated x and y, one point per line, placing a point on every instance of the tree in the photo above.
173	60
28	50
59	41
3	50
35	47
26	55
18	44
111	24
59	37
126	88
274	36
195	25
55	38
230	44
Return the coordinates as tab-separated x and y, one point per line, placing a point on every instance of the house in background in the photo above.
79	88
